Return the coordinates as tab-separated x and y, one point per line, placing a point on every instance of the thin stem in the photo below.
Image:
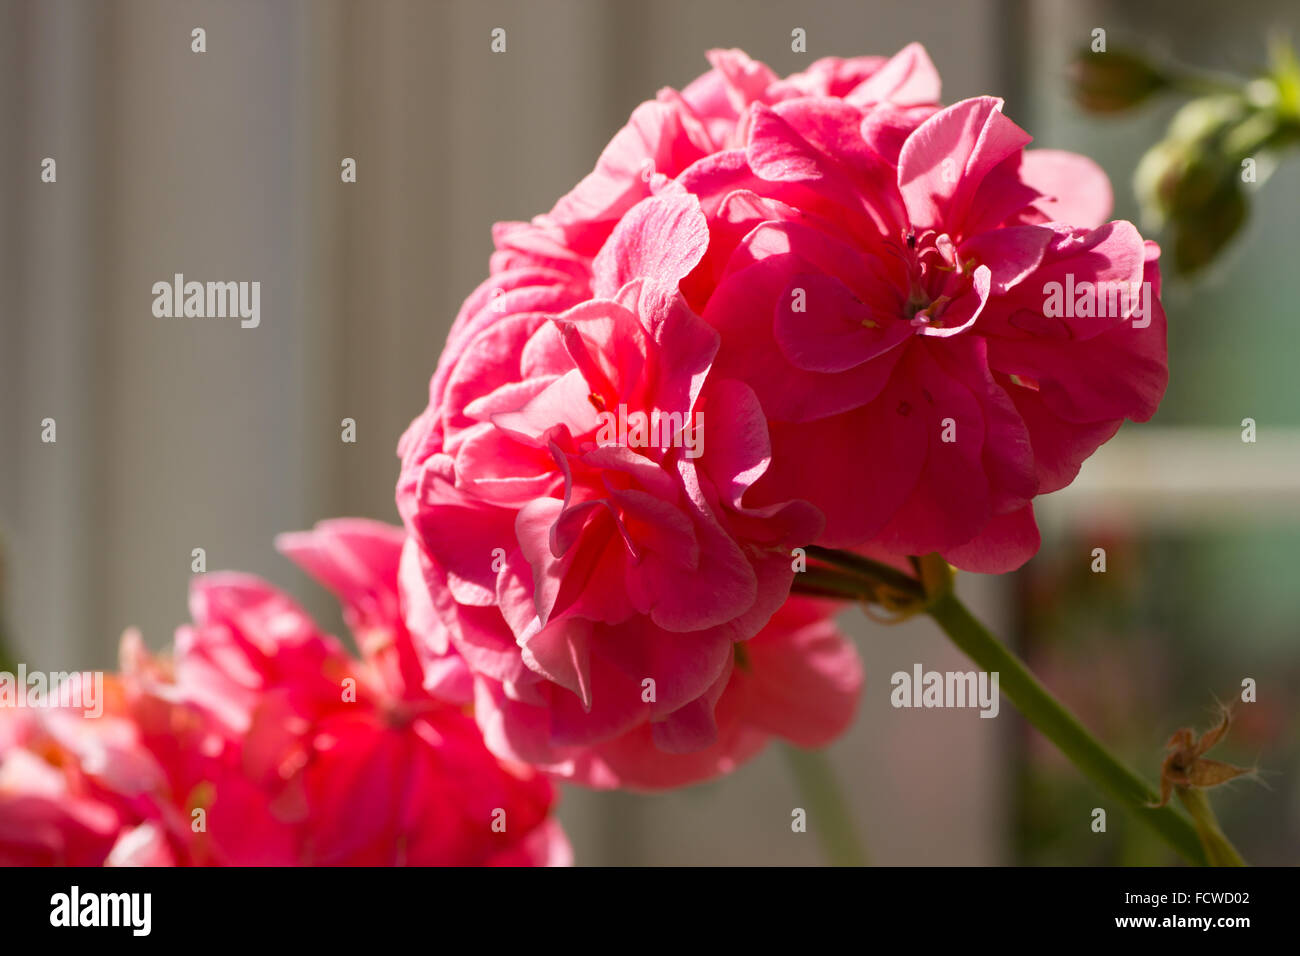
1060	726
1204	84
1218	848
828	810
8	660
827	583
866	567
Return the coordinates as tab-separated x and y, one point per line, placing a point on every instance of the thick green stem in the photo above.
1056	723
1218	848
828	811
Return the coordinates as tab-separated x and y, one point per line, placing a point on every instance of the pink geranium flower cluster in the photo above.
779	312
260	741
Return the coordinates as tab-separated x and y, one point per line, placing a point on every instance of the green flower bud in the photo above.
1113	81
1201	234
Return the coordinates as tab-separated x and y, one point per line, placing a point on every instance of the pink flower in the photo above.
668	134
573	493
73	788
298	754
880	273
798	679
938	327
546	265
260	741
45	820
596	587
842	287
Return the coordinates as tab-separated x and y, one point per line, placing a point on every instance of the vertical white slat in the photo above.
199	419
47	521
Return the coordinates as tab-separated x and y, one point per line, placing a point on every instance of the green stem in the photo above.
1204	84
828	810
8	661
1046	713
1218	848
